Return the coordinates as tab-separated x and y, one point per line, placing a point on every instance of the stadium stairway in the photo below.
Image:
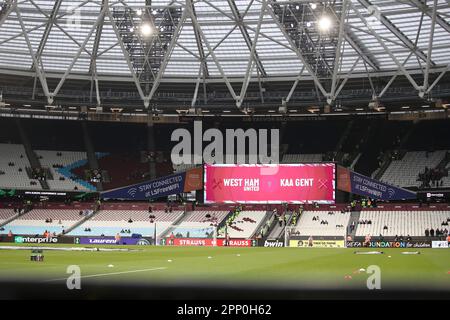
444	162
278	231
262	223
92	159
79	223
267	225
31	155
354	216
9	220
387	160
177	222
344	136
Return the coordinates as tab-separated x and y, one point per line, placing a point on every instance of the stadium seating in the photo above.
403	223
404	172
196	225
111	222
245	224
123	169
15	176
6	214
446	180
302	158
336	226
33	222
183	167
63	179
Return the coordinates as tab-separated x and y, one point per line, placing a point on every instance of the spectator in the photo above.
367	240
310	241
432	232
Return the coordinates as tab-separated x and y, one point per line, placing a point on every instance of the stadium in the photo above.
224	149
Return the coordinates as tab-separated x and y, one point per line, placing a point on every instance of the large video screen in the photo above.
271	183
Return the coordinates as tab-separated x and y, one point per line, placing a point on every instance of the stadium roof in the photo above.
235	43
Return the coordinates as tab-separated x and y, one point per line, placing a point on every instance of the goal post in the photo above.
287	234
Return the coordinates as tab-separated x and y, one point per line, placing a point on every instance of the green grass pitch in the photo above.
298	267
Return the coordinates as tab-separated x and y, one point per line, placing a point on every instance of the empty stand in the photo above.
336	223
404	172
403	223
33	222
302	158
111	222
245	224
446	180
63	178
13	164
197	225
123	169
6	214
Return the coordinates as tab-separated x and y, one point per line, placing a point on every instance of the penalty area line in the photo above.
108	274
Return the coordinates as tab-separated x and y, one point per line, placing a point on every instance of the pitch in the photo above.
278	267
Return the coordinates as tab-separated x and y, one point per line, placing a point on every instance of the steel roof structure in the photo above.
242	46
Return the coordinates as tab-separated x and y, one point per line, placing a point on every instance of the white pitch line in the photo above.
108	274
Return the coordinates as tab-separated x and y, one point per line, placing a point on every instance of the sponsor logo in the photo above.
354	244
111	241
195	242
391	192
435	195
102	241
20	239
208	242
317	243
390	244
273	244
143	242
439	244
132	192
239	243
